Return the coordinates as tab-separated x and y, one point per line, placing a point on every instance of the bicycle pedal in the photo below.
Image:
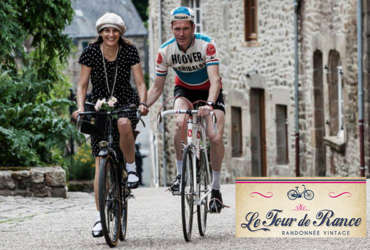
131	196
176	193
225	206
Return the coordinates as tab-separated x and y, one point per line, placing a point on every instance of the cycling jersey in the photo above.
190	66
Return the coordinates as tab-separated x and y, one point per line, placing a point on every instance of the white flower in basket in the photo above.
102	104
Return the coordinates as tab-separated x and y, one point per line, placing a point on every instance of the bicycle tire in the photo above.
187	190
124	210
308	194
203	182
109	202
292	194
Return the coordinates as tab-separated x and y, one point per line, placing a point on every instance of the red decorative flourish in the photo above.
332	195
300	207
268	194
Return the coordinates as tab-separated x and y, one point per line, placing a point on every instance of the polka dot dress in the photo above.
125	94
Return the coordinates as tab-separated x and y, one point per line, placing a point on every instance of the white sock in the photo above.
179	166
216	180
132	167
97	226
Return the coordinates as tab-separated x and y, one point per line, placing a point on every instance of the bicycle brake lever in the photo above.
132	106
159	122
142	121
214	121
138	115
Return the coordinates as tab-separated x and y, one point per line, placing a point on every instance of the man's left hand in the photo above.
205	110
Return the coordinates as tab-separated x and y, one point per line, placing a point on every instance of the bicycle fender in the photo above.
103	153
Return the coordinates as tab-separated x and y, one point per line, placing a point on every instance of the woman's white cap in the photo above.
111	20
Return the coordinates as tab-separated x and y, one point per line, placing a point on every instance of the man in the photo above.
193	58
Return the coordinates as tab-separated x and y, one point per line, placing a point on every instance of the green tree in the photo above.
142	7
33	122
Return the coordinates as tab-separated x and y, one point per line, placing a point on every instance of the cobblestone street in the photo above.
154	222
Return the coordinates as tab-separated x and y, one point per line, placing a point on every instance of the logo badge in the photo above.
159	58
211	50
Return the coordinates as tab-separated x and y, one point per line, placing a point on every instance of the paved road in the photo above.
154	223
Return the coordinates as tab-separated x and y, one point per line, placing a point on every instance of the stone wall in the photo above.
166	100
326	26
37	182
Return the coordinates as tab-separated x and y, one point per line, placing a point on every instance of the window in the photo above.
282	134
195	6
250	17
84	44
236	131
335	94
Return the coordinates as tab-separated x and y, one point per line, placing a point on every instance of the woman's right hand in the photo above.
75	114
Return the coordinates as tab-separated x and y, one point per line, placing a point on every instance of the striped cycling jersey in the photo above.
190	66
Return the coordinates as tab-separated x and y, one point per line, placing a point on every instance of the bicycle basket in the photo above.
86	123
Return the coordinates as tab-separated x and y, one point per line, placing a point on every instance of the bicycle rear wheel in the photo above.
109	201
187	191
203	182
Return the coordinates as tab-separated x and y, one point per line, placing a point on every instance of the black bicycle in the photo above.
306	193
113	190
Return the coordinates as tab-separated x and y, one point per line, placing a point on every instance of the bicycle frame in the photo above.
196	139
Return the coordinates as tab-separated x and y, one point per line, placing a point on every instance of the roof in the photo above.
87	12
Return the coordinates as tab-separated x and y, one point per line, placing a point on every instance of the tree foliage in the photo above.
142	8
33	48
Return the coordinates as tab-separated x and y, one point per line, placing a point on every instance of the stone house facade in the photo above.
255	43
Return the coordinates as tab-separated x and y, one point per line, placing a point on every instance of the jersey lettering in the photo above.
190	66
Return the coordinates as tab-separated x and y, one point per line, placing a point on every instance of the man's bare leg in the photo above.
180	131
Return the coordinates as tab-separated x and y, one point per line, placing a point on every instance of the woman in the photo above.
108	62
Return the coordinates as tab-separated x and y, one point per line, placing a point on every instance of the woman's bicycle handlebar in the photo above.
116	111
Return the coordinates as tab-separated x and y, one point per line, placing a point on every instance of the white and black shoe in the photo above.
132	180
175	186
97	230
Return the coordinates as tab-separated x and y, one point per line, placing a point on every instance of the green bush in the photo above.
82	165
34	122
32	131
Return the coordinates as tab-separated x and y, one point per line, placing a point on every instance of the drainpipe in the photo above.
296	101
360	88
340	102
164	158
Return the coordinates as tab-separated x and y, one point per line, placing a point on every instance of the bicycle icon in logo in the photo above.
294	193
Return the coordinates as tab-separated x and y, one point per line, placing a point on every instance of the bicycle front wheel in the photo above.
308	195
203	182
109	201
125	195
187	193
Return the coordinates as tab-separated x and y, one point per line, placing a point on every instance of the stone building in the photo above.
255	43
82	29
329	79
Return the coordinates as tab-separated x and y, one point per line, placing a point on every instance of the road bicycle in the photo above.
195	186
113	190
294	193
